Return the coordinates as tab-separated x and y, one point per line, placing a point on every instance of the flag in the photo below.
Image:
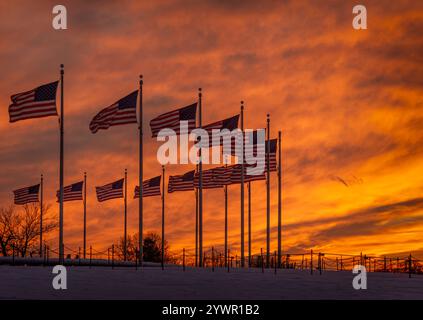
209	179
171	120
71	192
37	103
272	154
121	112
184	182
150	188
110	191
229	124
235	176
27	194
252	147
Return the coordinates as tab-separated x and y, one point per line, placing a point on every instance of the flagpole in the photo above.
163	216
41	216
249	223
268	193
226	224
242	187
61	257
196	225
200	180
125	217
85	214
280	199
140	178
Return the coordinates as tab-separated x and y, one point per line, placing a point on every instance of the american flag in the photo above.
71	192
209	180
272	154
27	194
150	188
110	191
36	103
253	147
229	124
121	112
236	174
171	120
184	182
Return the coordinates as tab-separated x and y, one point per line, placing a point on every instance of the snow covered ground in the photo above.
34	282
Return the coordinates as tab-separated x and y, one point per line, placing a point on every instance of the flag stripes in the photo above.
71	192
171	120
37	103
109	191
150	188
27	194
229	124
121	112
184	182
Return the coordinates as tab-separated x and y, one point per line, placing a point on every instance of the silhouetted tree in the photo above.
152	248
21	228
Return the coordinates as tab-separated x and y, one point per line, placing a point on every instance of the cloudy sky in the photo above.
349	104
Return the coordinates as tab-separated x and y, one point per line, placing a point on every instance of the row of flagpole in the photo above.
198	191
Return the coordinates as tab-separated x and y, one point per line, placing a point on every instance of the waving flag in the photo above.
236	174
171	120
272	154
27	194
71	192
209	180
184	182
109	191
37	103
121	112
229	124
150	188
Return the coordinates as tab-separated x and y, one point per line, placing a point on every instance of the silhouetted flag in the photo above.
209	179
121	112
27	194
236	174
37	103
71	192
184	182
110	191
150	188
272	154
170	120
229	124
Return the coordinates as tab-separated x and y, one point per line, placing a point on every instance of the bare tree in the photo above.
9	221
152	248
21	228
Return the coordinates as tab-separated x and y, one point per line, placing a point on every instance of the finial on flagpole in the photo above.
141	80
199	92
62	67
268	117
242	105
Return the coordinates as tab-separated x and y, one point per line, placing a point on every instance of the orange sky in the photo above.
349	104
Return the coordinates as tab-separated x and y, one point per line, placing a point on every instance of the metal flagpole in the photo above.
242	187
280	199
163	217
61	257
41	216
226	225
125	216
249	223
140	204
268	193
85	214
200	191
196	225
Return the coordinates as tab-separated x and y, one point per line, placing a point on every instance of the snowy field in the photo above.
21	282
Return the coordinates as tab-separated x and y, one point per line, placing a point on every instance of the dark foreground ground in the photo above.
21	282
